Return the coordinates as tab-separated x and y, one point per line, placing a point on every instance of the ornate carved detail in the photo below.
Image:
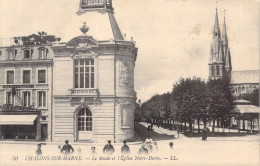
84	29
125	73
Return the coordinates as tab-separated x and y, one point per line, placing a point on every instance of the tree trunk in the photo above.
185	127
198	126
181	127
243	124
213	126
251	124
190	125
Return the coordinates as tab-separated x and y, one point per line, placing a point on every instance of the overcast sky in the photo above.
173	36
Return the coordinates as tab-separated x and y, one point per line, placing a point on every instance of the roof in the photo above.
247	109
245	76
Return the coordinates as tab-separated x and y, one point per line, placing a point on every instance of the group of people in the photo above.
68	149
147	147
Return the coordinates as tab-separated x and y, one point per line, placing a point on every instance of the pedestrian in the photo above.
143	150
178	130
108	148
38	150
205	130
125	149
148	143
155	146
93	150
67	148
149	128
171	145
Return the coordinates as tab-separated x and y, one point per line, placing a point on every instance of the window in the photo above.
217	70
41	76
10	77
41	99
9	98
85	120
28	53
84	73
26	99
26	76
43	117
43	53
212	71
11	54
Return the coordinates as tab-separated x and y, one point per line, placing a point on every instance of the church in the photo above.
242	82
220	64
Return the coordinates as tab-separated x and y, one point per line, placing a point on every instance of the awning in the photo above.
247	109
17	119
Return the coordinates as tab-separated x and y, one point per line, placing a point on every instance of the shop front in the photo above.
20	125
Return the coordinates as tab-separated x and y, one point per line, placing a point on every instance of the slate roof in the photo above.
245	76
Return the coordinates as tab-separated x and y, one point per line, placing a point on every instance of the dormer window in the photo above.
11	54
27	53
43	53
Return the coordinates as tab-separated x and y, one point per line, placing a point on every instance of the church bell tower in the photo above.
220	59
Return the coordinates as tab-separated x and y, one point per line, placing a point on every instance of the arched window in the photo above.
212	71
85	120
217	69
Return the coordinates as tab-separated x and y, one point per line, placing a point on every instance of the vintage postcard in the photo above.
127	82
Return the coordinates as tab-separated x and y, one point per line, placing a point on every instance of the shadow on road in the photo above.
141	133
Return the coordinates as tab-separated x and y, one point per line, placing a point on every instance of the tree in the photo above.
221	101
190	98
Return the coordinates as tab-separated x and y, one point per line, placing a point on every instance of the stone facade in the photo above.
112	98
31	92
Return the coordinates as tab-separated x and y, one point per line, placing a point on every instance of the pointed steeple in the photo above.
224	32
216	30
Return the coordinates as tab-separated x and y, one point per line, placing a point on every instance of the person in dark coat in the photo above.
125	149
108	148
143	150
178	130
38	150
205	131
171	145
67	148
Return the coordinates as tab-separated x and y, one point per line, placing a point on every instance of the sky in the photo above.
173	36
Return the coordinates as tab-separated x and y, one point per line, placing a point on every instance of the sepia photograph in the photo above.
127	82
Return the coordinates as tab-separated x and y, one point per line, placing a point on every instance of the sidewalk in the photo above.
61	143
247	138
161	130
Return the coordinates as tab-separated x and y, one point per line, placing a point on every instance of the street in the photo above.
186	151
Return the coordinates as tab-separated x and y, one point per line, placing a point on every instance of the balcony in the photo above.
84	92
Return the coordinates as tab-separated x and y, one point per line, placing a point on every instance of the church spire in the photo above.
216	30
224	32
